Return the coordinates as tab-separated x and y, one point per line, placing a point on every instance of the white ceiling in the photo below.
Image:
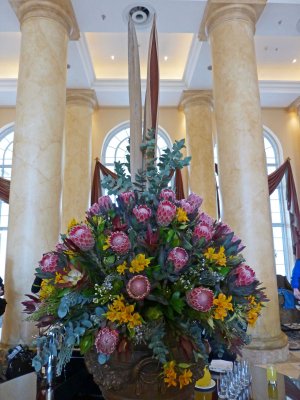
103	26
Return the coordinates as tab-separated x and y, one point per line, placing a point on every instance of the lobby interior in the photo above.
229	84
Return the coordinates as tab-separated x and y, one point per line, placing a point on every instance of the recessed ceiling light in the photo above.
166	58
294	60
112	57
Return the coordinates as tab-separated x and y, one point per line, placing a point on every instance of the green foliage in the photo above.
155	176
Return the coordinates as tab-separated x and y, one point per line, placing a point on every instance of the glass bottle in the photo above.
272	391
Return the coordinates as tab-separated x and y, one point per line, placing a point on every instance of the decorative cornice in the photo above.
82	97
192	60
58	10
294	106
196	98
86	60
220	11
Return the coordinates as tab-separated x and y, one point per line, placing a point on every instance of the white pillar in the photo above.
77	155
36	173
197	107
242	163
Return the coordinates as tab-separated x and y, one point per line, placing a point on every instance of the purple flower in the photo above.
142	213
200	299
105	203
188	207
127	197
94	209
49	262
206	219
245	275
194	200
240	245
138	287
119	242
166	212
106	341
203	231
179	257
82	236
167	194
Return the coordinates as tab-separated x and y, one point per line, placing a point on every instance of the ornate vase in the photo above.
137	376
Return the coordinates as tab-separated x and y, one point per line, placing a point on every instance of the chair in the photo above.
287	316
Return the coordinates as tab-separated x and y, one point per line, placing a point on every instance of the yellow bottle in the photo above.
272	391
205	380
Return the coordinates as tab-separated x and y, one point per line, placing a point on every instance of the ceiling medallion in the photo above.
141	14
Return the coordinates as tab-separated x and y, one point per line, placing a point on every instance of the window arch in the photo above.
117	140
278	207
6	151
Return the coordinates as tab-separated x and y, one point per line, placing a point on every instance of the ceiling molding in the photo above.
279	87
8	85
121	85
85	58
192	60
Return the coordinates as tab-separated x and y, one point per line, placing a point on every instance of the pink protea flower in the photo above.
194	200
236	239
200	299
203	231
167	194
179	258
166	212
142	213
245	275
106	341
105	203
60	247
138	287
94	209
119	242
82	236
221	230
127	196
206	219
188	207
49	262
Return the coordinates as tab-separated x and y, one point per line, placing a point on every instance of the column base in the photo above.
264	351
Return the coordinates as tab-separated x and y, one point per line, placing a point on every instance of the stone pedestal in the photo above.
197	107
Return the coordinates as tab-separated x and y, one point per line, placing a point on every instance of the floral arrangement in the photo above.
146	269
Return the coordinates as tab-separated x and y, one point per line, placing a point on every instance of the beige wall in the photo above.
106	119
7	115
285	126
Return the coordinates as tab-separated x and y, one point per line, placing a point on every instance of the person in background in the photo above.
2	301
296	279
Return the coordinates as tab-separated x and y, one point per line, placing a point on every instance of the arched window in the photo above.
116	142
278	207
6	150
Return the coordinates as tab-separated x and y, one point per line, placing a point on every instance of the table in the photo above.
287	388
24	388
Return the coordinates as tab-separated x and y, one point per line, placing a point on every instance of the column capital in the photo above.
295	106
58	10
85	97
195	97
219	11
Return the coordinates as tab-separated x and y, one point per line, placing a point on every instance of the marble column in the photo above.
34	214
197	107
77	155
241	158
